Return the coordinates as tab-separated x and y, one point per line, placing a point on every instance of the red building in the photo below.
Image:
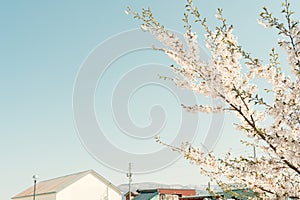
164	193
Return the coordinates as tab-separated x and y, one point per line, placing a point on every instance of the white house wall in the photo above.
88	188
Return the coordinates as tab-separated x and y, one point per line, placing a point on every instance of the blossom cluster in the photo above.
230	76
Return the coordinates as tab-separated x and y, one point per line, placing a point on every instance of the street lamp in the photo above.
35	178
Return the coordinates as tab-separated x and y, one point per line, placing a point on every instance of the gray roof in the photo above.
57	184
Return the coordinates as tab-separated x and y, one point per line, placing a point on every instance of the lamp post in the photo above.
35	178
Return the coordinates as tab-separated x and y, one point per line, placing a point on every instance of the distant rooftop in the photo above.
166	190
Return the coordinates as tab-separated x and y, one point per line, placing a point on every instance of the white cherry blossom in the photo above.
230	76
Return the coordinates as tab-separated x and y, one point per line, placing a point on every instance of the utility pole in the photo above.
254	153
129	175
208	185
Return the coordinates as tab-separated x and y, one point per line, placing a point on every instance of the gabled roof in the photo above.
57	184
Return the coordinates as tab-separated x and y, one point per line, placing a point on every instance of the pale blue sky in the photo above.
42	47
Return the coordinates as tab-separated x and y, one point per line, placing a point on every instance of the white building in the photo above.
87	185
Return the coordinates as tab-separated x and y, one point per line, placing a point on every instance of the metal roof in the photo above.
57	184
146	196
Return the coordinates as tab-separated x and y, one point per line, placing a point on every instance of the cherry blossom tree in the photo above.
270	116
